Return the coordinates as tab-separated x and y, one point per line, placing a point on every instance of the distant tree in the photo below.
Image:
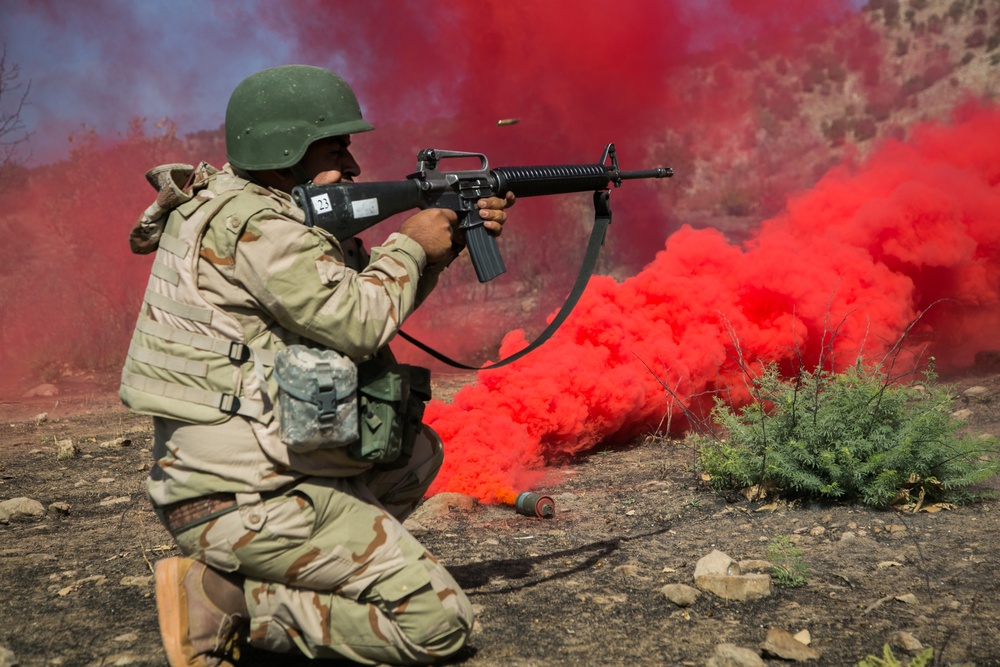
836	73
13	96
955	10
975	39
890	12
836	131
865	128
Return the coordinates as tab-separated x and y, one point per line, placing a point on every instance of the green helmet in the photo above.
274	115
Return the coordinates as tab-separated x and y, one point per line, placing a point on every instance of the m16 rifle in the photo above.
346	209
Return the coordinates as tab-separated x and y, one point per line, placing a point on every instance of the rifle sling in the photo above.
602	218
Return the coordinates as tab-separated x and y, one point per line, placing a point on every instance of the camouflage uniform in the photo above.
330	571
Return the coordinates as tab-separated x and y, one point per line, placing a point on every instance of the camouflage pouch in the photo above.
317	398
392	398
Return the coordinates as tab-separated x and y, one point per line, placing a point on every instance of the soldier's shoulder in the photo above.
250	200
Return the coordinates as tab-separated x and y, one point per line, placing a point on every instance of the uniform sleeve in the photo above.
299	275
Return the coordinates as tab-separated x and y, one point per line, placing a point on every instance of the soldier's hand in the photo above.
436	230
493	211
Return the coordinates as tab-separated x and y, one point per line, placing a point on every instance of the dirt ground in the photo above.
581	588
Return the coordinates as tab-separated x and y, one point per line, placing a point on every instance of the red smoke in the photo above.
845	270
862	254
69	287
578	75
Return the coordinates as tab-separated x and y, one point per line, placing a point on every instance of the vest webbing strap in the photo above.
187	311
174	245
164	272
227	403
198	369
602	218
228	348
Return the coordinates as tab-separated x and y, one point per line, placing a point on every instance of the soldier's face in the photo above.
330	161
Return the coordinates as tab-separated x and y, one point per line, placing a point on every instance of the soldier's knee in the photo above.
446	630
435	620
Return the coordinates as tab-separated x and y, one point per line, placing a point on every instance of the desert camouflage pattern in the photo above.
317	398
237	278
235	264
332	573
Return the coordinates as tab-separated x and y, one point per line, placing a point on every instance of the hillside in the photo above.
834	95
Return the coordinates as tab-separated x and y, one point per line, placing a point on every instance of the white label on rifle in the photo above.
365	208
321	204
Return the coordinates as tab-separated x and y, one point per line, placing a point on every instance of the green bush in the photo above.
922	659
854	436
788	567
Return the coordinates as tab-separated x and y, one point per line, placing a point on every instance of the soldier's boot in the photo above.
202	612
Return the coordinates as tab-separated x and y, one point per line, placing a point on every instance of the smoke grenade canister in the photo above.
535	504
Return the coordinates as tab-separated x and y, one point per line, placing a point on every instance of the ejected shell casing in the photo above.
535	504
509	121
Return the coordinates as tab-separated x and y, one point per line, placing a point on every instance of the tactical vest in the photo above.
188	359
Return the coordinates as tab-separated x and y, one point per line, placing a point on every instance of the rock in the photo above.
755	565
908	598
780	644
716	563
737	587
60	508
816	531
886	564
136	581
848	536
976	394
680	594
116	443
21	508
629	570
443	504
66	449
42	391
120	660
731	655
115	500
7	657
907	642
962	415
41	418
415	528
720	575
803	636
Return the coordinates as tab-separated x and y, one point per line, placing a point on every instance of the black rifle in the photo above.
346	209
